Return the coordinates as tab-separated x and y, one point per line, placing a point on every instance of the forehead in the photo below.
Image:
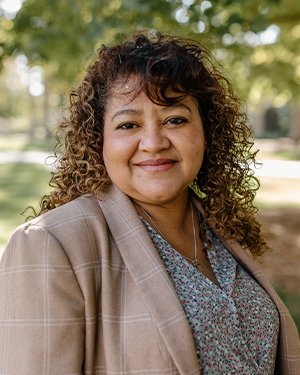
132	89
125	88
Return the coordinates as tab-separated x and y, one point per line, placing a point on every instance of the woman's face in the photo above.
152	153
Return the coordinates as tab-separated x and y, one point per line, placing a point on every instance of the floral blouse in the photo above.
235	327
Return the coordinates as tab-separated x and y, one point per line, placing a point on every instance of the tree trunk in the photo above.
295	124
33	115
46	112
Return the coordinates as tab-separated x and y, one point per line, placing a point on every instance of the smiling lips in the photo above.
156	165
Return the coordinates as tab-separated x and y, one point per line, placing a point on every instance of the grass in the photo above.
23	142
292	302
21	185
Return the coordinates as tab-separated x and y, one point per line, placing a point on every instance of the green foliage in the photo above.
63	32
59	34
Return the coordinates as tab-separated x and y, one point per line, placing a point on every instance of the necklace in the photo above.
194	261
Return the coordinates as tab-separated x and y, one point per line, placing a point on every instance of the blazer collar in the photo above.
151	278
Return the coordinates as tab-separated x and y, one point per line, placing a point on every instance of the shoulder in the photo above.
84	207
75	225
67	220
74	220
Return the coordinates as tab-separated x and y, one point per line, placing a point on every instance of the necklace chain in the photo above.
194	261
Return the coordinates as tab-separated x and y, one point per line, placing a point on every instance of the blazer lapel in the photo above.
151	278
288	346
239	253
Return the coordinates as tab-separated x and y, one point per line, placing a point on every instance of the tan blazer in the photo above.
83	291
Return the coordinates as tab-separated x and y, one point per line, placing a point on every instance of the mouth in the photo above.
156	165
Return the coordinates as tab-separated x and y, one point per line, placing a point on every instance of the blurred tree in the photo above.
257	39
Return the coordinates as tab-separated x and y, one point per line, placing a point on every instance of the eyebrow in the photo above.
176	105
134	112
137	112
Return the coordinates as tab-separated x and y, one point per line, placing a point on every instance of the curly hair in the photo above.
163	63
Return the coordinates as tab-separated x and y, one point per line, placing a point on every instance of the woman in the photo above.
128	270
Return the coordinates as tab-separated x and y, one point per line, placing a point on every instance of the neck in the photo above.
168	216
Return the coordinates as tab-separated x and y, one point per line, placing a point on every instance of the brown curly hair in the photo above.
225	182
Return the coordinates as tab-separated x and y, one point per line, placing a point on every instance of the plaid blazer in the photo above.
83	291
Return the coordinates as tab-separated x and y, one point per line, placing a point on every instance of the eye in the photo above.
127	126
177	120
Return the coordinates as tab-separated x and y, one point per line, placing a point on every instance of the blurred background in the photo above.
45	45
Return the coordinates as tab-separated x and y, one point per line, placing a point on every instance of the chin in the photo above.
158	197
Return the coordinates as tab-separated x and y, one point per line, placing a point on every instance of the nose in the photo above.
154	140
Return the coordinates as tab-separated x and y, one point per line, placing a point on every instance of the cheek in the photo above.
196	141
110	151
117	151
196	149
